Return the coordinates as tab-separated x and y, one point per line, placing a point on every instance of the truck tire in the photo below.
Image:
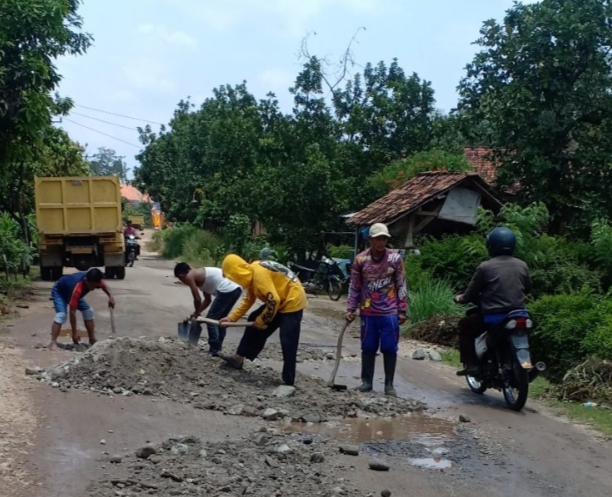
109	273
120	272
57	272
46	273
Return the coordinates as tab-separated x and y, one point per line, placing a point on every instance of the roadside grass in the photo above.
598	418
13	290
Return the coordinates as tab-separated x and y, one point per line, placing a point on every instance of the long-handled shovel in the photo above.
112	320
332	379
191	329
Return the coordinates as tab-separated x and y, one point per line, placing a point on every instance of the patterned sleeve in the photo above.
401	287
355	286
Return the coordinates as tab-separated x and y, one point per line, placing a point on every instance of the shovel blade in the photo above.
195	330
183	330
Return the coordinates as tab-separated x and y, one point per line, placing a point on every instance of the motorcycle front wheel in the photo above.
476	386
131	258
516	388
334	289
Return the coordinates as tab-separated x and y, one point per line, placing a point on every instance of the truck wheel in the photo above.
109	273
120	272
57	273
46	273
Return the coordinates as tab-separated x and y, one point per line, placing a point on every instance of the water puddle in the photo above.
434	462
424	430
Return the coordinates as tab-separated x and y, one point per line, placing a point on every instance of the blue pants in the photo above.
220	308
383	331
61	308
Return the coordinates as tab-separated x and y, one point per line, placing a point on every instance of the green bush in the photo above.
342	251
416	276
197	247
569	328
433	298
453	258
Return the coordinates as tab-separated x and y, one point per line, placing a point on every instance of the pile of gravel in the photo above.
171	369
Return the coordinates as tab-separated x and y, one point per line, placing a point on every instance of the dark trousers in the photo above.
254	340
220	308
470	328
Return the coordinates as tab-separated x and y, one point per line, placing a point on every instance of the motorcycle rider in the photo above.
498	287
127	231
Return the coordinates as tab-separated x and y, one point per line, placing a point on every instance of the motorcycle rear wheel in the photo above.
334	289
516	394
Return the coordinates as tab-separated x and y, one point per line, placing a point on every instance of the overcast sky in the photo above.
150	54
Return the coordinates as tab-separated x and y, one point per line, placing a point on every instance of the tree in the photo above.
397	173
542	84
33	33
106	162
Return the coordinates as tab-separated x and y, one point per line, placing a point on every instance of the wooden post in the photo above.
409	241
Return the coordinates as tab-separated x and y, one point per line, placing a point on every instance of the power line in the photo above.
119	115
102	120
102	133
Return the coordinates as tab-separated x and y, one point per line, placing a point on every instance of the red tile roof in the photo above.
132	194
481	162
413	194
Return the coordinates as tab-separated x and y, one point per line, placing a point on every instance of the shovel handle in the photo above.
112	320
225	325
332	378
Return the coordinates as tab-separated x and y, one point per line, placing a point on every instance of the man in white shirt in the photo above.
211	282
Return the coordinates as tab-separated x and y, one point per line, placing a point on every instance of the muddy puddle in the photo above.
416	428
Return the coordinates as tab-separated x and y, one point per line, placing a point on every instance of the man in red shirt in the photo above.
68	295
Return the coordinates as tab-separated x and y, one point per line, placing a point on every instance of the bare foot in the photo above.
91	342
53	346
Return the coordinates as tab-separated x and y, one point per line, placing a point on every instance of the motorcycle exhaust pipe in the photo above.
540	367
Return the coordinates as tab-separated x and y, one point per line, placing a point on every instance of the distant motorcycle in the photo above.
326	276
505	359
131	250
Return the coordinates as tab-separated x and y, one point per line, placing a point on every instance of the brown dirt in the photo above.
439	331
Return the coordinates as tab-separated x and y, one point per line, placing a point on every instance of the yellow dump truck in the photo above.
138	222
79	224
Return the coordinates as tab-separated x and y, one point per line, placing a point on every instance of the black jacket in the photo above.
499	285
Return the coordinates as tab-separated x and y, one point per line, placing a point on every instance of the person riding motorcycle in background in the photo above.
498	287
127	231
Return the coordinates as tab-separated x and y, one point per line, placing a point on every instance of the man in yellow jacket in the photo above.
284	301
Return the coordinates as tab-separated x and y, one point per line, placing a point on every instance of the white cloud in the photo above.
290	16
277	79
149	75
161	32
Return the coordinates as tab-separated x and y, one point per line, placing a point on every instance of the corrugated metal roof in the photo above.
411	195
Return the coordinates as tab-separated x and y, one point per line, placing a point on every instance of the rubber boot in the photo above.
390	362
368	360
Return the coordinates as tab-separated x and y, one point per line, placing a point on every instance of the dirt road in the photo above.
55	443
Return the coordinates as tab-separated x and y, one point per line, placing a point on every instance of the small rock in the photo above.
330	356
270	414
161	340
203	454
147	391
385	493
273	463
235	410
338	491
307	440
116	459
419	355
261	440
317	457
55	384
145	452
117	390
283	391
434	356
283	449
155	459
179	449
102	442
464	418
379	466
311	417
33	371
350	450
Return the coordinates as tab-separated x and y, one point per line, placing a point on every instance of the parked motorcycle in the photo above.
505	359
327	276
131	250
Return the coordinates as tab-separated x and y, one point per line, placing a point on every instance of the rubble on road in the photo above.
174	370
282	465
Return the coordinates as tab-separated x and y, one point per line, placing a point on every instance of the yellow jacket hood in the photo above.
237	270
